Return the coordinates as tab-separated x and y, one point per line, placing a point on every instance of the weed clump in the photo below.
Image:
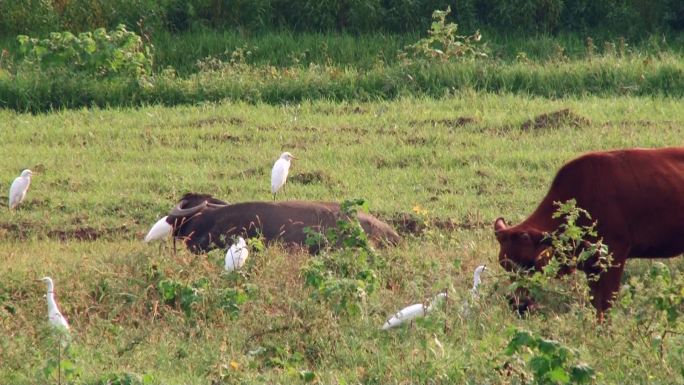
556	119
343	278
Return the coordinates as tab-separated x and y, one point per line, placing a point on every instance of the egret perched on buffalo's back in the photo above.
236	255
19	187
55	317
159	230
279	172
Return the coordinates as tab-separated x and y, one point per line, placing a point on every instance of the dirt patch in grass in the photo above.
354	110
216	120
399	163
253	171
408	223
416	141
224	137
352	130
556	119
311	177
457	122
291	146
21	231
86	233
27	230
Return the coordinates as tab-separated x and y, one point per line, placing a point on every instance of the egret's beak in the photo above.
294	157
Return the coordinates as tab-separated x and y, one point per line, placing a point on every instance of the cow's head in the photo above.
524	249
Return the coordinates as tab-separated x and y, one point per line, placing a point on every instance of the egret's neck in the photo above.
476	282
52	305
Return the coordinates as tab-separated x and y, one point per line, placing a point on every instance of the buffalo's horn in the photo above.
179	212
216	205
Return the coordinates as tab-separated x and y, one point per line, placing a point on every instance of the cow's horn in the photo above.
179	212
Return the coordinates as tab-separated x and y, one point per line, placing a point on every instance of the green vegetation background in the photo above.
630	18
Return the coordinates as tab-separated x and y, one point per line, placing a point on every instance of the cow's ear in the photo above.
499	224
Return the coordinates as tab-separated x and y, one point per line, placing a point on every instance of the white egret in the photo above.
236	255
474	294
414	311
406	314
279	172
55	317
418	310
19	187
476	279
159	230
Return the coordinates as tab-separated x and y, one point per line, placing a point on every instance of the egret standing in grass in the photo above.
418	310
55	317
474	294
19	187
159	230
411	312
236	255
58	323
279	172
477	280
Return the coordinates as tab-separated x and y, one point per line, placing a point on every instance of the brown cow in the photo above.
635	195
204	222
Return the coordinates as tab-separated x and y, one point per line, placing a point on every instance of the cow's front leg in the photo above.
605	288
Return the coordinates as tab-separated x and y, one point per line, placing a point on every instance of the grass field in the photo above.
105	175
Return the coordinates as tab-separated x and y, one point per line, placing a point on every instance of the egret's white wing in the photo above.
241	243
18	191
404	315
57	320
236	255
279	174
159	230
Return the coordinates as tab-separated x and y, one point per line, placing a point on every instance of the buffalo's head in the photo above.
521	248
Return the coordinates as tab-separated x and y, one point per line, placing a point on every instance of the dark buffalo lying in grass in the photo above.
636	197
205	223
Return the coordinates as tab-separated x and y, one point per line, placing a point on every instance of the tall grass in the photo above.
182	51
602	76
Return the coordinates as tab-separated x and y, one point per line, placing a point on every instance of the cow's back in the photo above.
636	196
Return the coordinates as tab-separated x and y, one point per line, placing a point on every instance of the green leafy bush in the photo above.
571	243
185	296
443	42
345	277
571	247
655	300
99	53
549	361
232	298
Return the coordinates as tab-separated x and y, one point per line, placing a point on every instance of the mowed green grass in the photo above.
110	174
